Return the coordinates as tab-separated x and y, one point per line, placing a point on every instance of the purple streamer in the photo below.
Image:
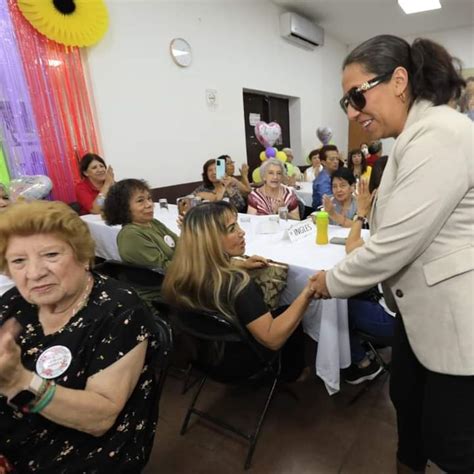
18	131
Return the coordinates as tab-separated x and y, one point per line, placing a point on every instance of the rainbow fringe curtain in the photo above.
46	121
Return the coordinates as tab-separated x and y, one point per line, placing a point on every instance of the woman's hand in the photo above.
244	170
309	291
328	204
364	198
255	261
109	177
12	373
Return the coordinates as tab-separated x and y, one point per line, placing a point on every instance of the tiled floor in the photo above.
317	434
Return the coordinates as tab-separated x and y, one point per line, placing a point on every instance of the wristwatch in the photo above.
26	396
360	218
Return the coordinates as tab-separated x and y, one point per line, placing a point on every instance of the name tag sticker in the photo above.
301	230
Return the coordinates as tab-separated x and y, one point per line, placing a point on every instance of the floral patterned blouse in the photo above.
112	323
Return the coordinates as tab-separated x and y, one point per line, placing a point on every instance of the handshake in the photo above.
316	287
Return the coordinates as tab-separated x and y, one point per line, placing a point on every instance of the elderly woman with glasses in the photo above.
273	194
77	352
421	243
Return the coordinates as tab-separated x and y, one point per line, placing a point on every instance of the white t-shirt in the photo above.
309	173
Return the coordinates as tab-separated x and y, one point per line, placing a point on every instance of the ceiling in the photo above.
352	21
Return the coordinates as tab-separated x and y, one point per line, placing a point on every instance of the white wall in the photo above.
152	115
459	43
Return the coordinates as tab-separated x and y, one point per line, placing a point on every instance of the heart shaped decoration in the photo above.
267	133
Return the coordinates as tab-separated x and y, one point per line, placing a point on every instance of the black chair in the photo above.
163	352
140	277
75	206
219	338
373	343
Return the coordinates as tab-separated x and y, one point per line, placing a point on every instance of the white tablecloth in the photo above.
325	320
305	193
5	284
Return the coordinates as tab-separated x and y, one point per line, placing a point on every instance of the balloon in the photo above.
263	156
281	155
30	187
324	134
267	133
270	152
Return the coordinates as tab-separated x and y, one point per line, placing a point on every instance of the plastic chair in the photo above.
219	337
373	342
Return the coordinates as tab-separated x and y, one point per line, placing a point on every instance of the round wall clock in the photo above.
180	51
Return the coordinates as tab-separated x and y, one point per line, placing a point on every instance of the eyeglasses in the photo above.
355	96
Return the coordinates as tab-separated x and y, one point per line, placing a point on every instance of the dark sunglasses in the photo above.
355	96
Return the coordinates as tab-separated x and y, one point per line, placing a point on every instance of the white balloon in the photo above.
30	187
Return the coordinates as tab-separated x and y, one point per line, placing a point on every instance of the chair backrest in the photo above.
161	360
166	341
221	337
138	276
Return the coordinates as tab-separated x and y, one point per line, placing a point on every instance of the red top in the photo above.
86	194
371	159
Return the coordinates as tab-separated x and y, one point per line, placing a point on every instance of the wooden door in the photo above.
268	109
357	135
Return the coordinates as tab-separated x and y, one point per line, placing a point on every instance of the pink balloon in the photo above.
267	133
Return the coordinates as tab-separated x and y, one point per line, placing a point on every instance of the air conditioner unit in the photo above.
301	30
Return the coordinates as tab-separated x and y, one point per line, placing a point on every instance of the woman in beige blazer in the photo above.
421	244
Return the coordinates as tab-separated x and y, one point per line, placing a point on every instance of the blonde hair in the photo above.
200	276
46	217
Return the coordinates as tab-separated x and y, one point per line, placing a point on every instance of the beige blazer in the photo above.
422	239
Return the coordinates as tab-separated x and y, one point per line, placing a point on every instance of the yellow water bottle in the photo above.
322	224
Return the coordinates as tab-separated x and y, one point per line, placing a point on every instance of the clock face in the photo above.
181	52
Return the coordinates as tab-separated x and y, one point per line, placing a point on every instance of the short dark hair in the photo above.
317	151
205	179
345	174
433	73
87	159
375	147
377	172
363	161
324	149
116	210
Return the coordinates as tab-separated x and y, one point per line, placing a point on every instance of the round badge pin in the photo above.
53	362
169	241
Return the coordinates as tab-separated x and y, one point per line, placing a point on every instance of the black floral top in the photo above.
112	323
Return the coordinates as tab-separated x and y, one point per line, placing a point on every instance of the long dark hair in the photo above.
363	161
205	178
433	73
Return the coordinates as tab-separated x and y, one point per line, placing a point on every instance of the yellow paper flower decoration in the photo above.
69	22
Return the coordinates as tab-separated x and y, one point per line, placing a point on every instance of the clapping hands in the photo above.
11	368
364	198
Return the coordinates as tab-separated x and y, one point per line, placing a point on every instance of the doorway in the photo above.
267	108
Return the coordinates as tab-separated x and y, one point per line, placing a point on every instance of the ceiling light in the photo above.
415	6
